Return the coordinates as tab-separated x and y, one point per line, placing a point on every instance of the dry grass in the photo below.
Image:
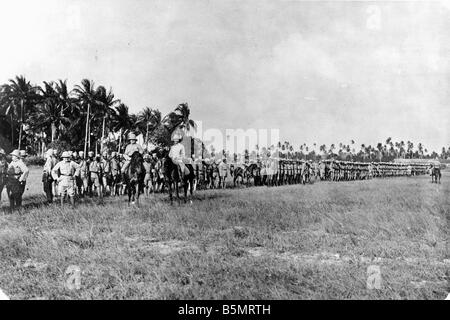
292	242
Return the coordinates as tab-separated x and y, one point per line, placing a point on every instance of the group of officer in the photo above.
78	175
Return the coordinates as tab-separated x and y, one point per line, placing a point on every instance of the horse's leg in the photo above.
185	187
12	201
168	184
177	190
137	191
129	194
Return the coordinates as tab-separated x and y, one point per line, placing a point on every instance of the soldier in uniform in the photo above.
131	148
64	173
3	171
115	172
177	153
17	174
106	172
223	173
84	174
77	157
47	179
95	173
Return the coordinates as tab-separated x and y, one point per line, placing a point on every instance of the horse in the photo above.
134	177
172	177
238	172
436	175
248	172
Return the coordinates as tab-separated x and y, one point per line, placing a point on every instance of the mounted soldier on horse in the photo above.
177	168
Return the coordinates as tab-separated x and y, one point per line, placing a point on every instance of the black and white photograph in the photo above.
224	150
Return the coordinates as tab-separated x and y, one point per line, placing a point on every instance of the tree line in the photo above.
35	118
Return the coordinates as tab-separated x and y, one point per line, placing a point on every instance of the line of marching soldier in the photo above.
335	170
274	171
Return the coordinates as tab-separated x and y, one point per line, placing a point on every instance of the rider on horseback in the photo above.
129	150
177	153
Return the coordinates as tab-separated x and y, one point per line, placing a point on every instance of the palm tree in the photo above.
182	117
121	121
402	149
420	150
64	96
105	105
380	151
86	96
410	146
150	119
7	107
48	113
21	94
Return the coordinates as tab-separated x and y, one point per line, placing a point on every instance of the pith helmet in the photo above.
91	153
81	154
15	153
23	153
131	136
65	154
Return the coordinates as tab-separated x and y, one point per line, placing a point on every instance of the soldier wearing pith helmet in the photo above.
177	152
19	172
3	170
67	170
131	148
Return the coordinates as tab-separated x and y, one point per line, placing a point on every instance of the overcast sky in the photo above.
323	72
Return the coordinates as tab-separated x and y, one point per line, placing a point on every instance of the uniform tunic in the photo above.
19	170
223	170
66	181
177	154
95	170
115	167
129	150
148	172
106	170
47	179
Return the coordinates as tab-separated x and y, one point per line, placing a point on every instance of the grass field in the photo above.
292	242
